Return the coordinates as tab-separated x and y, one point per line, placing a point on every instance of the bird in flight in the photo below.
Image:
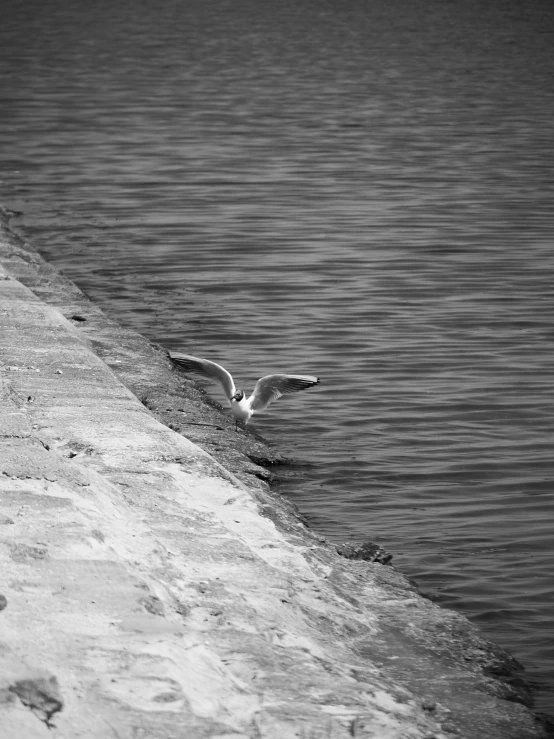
267	389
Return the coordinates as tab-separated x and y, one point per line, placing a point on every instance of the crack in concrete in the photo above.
41	695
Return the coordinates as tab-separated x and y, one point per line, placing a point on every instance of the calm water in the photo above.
359	190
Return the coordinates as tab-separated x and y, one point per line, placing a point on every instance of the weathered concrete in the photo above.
145	594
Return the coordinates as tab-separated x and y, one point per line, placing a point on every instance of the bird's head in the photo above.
238	396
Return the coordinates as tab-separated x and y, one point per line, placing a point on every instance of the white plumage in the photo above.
267	389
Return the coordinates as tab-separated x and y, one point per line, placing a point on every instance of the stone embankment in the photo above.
151	591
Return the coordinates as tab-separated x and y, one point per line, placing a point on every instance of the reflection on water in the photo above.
362	192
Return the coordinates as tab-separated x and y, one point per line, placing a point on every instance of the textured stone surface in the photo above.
145	594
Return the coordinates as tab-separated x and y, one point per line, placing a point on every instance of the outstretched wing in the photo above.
208	369
271	387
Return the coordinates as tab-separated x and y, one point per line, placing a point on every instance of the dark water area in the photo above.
358	190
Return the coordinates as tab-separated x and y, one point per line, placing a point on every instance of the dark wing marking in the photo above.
271	387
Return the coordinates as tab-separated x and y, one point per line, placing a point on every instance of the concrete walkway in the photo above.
145	596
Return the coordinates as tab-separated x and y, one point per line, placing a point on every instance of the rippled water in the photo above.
362	191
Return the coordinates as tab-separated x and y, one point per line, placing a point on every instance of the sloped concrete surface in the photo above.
144	594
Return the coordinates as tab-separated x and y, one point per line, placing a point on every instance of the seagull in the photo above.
267	389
